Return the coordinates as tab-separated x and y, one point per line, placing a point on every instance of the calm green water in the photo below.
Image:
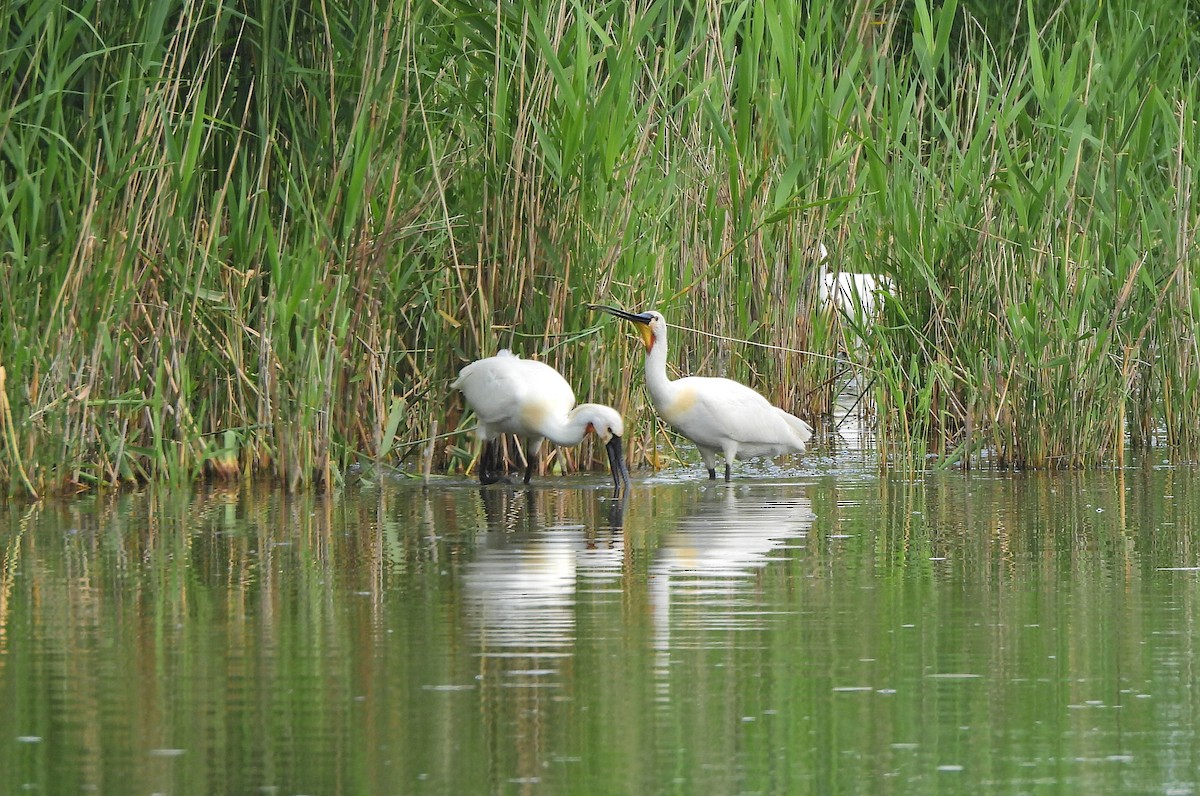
830	631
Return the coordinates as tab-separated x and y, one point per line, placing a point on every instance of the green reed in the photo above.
238	244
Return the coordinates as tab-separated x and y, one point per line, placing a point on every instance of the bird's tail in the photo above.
799	427
465	373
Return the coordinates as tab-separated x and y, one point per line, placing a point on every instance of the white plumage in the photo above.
510	395
718	415
857	296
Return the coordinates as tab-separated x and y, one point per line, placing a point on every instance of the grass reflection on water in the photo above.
837	632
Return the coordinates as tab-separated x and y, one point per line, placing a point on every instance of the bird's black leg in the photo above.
728	475
528	467
490	464
481	467
487	463
712	474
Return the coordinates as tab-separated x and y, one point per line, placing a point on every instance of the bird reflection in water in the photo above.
540	545
703	576
540	555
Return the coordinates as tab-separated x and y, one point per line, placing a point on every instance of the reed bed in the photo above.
260	240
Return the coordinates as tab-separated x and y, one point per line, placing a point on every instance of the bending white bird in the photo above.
718	415
857	296
510	395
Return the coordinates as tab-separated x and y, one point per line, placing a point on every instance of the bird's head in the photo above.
651	326
606	423
603	421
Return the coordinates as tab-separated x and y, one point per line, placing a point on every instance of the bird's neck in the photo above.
657	382
569	430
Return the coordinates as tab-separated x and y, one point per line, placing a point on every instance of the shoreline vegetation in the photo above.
260	240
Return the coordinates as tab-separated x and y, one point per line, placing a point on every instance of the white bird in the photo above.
856	296
718	415
510	395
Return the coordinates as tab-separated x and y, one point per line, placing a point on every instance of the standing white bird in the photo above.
718	415
856	296
510	395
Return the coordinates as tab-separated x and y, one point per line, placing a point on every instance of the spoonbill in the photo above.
857	296
510	395
718	415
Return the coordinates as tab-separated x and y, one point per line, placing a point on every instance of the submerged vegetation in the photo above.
262	238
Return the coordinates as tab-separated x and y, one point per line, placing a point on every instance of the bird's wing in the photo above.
501	390
801	429
492	388
724	409
547	384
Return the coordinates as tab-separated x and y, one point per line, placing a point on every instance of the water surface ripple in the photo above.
813	629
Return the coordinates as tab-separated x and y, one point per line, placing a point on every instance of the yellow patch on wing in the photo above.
682	404
532	414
